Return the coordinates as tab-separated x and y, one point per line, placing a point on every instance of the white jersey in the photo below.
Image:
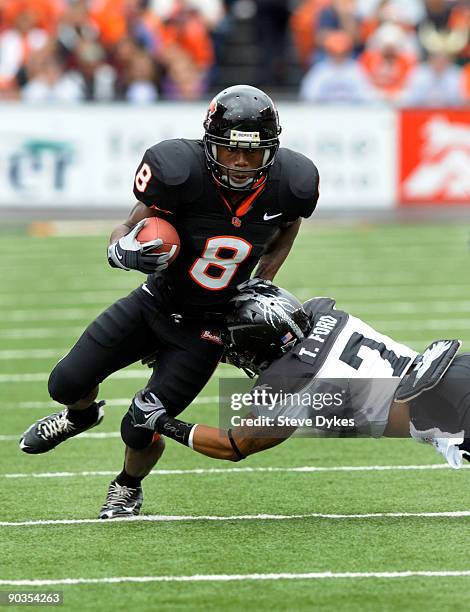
342	354
370	354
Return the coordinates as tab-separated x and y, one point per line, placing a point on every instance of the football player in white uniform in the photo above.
326	370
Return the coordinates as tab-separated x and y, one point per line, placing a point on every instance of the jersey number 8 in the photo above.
223	267
142	178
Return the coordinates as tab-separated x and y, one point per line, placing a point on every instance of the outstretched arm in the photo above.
235	444
232	445
277	251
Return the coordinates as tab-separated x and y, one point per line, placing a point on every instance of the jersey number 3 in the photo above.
219	261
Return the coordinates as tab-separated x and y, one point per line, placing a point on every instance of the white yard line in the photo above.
22	333
407	325
118	402
64	285
9	354
44	313
240	577
86	435
410	307
162	518
44	376
433	324
103	297
364	282
307	469
57	298
30	354
144	373
48	314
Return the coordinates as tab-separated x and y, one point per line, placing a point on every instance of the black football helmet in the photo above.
262	324
241	117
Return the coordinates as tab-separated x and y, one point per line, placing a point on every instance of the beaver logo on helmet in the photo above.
241	117
211	111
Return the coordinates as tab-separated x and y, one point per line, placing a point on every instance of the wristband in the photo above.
175	429
236	450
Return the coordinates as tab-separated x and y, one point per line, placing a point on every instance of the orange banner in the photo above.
434	157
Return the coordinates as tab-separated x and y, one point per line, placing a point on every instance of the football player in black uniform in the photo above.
236	200
306	349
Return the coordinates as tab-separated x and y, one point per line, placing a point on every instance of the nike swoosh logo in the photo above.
145	288
268	217
118	256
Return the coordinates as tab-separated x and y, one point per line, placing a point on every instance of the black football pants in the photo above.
447	405
130	329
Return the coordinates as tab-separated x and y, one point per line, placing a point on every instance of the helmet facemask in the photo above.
241	117
243	357
222	173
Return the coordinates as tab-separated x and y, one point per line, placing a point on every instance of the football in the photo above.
155	228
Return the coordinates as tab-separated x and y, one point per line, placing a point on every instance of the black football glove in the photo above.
129	254
146	410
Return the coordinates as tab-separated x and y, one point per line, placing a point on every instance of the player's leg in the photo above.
117	338
183	368
441	416
398	424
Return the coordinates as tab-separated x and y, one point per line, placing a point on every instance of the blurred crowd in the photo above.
102	50
407	52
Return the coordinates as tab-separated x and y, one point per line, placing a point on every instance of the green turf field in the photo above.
234	536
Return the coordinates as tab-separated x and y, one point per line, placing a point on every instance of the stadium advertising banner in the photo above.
87	155
434	157
354	149
81	155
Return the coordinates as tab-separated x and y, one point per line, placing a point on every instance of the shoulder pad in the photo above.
318	304
299	183
428	369
178	163
286	373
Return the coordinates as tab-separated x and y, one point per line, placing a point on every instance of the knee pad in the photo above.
63	388
430	410
135	437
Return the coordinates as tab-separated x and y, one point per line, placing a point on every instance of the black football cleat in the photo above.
122	501
49	432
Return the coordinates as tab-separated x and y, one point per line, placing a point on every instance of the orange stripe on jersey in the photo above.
167	212
246	204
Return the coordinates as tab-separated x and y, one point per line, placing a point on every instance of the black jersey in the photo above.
220	243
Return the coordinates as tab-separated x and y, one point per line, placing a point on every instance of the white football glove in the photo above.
445	443
129	254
